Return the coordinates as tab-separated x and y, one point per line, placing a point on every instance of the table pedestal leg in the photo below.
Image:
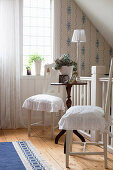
68	101
68	104
76	133
79	135
59	135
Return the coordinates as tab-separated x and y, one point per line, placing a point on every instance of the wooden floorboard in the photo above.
54	152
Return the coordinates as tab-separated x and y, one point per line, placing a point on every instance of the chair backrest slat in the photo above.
107	104
51	76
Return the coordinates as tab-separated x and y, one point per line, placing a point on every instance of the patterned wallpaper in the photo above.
95	51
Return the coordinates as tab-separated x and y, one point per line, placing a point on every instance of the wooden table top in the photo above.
70	84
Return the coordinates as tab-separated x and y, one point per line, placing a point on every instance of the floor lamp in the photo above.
78	37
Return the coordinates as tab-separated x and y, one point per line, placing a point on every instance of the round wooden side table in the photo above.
68	104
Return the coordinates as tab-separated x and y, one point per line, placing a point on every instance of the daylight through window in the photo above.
37	31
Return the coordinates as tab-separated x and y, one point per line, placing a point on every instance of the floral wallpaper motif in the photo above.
95	51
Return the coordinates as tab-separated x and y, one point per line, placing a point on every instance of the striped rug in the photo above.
21	155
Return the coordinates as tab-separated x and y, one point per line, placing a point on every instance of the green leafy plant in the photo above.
28	67
35	58
64	60
29	64
74	66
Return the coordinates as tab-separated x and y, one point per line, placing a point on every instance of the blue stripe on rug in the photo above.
9	159
21	155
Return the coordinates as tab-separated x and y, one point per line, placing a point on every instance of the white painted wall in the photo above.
100	12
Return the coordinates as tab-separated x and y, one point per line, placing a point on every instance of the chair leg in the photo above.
29	122
71	140
68	135
105	149
52	124
43	119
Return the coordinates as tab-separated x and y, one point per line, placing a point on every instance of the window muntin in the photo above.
37	30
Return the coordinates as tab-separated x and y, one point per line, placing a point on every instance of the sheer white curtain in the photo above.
10	109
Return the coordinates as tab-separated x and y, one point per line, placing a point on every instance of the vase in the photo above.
38	67
66	70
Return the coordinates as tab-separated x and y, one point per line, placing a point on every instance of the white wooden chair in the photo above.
87	118
49	101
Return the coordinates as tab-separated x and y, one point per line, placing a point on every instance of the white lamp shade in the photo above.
79	35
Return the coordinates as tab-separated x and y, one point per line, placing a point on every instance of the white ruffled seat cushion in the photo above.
44	102
83	118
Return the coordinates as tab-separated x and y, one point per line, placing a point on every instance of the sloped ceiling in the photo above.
100	13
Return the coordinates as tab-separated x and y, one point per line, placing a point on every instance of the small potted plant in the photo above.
28	68
37	59
65	65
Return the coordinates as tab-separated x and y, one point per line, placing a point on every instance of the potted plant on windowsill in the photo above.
65	65
28	68
37	59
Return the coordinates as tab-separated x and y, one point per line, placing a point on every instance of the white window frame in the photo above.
21	36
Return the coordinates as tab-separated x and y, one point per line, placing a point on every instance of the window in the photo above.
37	30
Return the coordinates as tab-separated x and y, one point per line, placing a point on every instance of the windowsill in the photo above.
31	77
